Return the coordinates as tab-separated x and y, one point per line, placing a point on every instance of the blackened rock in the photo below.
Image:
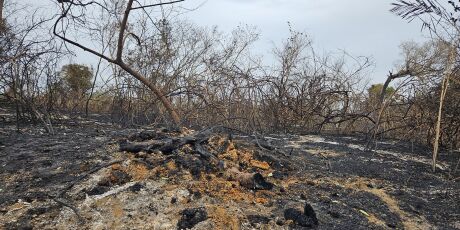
168	149
98	190
260	183
292	214
197	195
136	187
299	218
391	225
310	212
192	216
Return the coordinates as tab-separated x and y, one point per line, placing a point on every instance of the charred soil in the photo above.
94	175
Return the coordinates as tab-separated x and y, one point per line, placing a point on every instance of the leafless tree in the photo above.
69	16
443	25
27	55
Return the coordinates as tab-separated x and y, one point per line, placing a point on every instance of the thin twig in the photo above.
86	175
74	209
158	4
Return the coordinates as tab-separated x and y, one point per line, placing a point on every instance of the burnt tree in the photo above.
59	30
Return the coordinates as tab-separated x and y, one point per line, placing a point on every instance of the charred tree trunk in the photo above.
444	85
382	105
118	60
1	10
92	87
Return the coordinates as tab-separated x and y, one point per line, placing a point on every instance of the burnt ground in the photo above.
322	182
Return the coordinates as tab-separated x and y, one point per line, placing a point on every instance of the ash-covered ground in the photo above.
94	175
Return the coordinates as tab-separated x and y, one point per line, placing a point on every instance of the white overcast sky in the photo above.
360	27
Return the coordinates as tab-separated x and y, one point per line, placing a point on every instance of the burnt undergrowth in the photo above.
93	172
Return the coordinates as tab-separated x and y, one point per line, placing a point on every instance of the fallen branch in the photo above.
135	147
267	147
114	191
74	209
174	144
68	187
203	152
167	146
